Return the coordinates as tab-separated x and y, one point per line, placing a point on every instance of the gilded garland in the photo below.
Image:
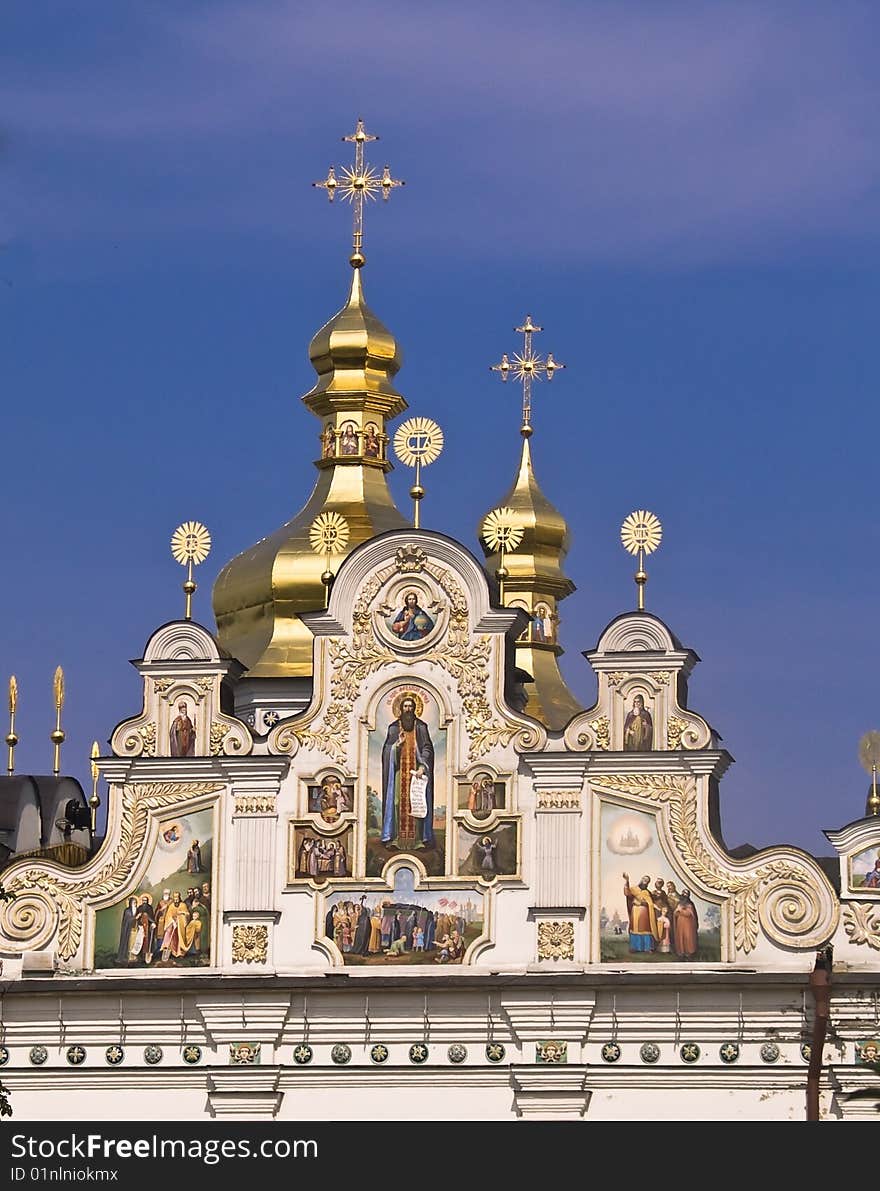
793	904
47	897
353	661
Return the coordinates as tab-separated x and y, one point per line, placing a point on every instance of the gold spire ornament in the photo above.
328	535
869	755
94	801
501	535
11	738
418	443
525	367
359	182
190	546
640	534
57	737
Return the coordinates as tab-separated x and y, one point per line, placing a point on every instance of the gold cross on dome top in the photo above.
526	366
358	182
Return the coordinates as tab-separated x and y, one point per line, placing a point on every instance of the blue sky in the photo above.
685	195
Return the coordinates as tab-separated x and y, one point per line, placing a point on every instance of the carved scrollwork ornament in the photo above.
860	924
793	905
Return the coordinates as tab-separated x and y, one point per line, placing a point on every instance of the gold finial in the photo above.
328	535
359	182
526	367
57	737
11	738
190	546
869	755
502	534
95	801
417	443
640	534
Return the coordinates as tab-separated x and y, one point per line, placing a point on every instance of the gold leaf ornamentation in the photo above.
206	683
141	742
674	729
860	924
250	944
555	940
255	804
782	895
615	677
219	732
410	559
661	677
161	685
46	896
555	800
355	660
551	1052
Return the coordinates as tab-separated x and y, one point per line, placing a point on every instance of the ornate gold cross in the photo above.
526	367
358	182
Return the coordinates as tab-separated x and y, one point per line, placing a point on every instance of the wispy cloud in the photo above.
681	130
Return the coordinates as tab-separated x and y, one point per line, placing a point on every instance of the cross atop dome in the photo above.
526	367
358	182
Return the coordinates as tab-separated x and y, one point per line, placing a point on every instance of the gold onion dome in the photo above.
535	581
258	595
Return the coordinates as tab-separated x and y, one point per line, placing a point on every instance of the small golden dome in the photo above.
536	582
258	595
354	354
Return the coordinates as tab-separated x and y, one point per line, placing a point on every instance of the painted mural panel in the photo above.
488	854
317	857
482	795
406	782
405	925
866	869
647	915
166	921
331	798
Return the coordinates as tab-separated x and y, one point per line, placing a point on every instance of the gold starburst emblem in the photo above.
500	531
418	441
641	531
190	542
329	534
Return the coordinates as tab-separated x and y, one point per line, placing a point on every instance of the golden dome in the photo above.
536	582
258	595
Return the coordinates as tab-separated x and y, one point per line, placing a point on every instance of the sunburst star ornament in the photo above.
328	535
418	443
190	546
641	534
502	535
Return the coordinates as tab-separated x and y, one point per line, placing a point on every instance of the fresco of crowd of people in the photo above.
660	918
176	927
393	929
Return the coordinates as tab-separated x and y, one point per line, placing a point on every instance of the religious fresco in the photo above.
166	921
543	624
488	855
403	926
406	776
182	734
638	727
411	622
865	869
482	795
372	442
348	440
647	914
331	798
316	857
